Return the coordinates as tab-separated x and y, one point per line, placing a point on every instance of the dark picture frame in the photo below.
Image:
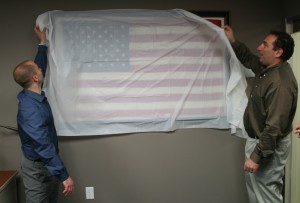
219	18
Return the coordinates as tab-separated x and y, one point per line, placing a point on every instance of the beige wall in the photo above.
186	166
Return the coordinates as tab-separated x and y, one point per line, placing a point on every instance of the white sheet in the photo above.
124	71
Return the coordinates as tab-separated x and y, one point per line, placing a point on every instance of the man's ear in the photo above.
278	53
35	78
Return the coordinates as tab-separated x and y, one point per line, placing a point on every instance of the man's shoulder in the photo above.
29	99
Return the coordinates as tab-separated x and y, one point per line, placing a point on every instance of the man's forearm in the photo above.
41	58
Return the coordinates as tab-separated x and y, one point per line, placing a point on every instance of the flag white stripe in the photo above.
180	60
169	46
144	92
125	76
155	106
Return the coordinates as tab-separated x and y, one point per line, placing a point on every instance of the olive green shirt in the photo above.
271	104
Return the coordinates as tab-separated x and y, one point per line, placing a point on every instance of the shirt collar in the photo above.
40	97
272	68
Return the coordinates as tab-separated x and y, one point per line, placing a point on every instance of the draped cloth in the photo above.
126	71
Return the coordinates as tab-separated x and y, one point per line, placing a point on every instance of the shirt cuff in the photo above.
255	157
43	44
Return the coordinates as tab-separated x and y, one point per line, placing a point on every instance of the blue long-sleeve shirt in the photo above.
36	126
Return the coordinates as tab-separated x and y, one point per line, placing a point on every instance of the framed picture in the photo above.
219	18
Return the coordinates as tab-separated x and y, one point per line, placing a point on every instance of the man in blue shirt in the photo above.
42	168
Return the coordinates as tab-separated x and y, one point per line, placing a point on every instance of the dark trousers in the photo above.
40	185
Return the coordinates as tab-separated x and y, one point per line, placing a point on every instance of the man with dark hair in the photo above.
269	114
41	167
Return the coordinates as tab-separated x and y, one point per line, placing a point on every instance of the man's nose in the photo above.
259	47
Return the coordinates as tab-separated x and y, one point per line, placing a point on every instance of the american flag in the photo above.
144	68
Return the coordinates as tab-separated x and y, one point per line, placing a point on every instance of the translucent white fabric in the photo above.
125	71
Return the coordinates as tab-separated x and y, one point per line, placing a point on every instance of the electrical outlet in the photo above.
89	192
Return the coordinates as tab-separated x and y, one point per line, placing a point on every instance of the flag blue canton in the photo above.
98	46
